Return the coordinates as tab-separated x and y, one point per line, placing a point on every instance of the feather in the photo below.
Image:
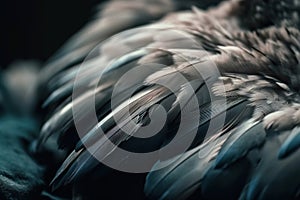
246	137
169	182
200	73
290	145
266	180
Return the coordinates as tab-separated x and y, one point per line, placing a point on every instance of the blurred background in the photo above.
35	29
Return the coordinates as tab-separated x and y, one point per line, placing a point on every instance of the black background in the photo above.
34	29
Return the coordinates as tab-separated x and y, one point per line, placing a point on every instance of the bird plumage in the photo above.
204	67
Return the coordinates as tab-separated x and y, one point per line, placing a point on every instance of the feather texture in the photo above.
216	78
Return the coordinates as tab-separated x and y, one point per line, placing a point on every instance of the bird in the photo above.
219	89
